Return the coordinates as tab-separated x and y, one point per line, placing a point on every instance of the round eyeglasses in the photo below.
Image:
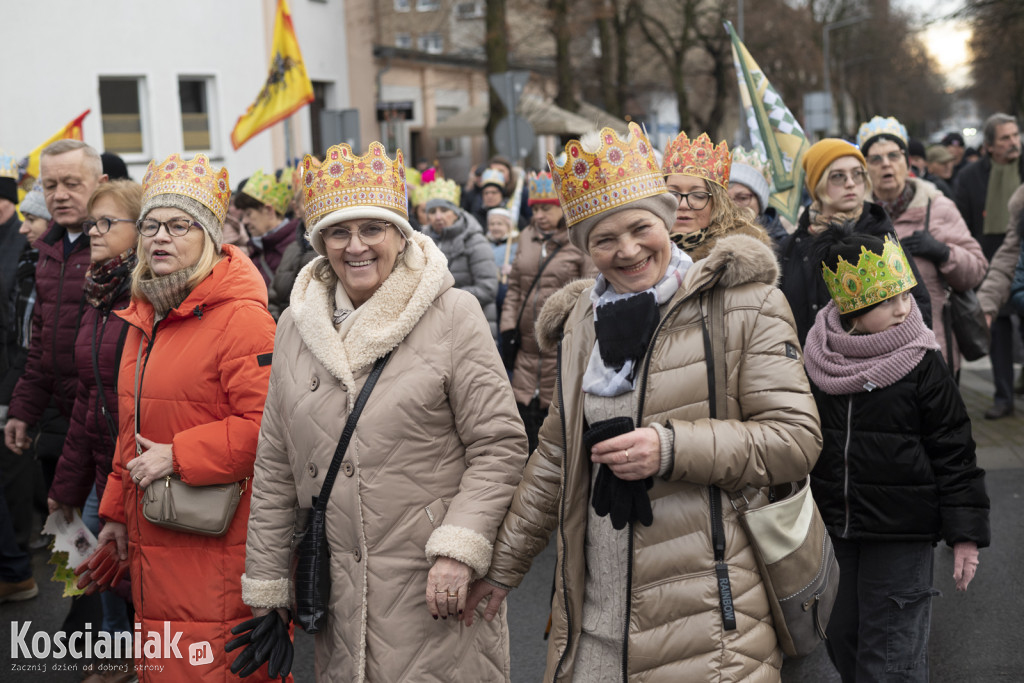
103	224
694	200
371	234
176	227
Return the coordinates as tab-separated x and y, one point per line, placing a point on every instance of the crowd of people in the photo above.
542	345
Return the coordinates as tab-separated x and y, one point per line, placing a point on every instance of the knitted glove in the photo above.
267	640
102	570
965	563
625	501
922	243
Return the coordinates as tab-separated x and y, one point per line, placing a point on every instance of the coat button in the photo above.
347	469
358	555
314	383
312	469
814	307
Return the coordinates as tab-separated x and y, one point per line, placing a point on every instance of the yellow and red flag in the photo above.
287	89
29	165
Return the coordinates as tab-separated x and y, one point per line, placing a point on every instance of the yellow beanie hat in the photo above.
821	154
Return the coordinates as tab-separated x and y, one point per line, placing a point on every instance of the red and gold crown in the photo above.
194	178
345	180
698	158
619	172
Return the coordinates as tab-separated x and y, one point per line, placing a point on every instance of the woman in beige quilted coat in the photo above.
637	597
434	458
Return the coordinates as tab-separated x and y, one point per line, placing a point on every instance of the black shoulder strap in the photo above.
346	435
540	271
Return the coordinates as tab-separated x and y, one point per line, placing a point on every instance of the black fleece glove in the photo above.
922	243
266	639
625	501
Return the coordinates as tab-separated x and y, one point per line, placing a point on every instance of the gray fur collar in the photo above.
382	322
735	260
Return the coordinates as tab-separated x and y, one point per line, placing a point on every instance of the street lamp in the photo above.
825	30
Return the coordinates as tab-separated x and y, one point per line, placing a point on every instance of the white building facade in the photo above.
163	77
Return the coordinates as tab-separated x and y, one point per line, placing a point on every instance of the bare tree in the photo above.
669	28
997	34
496	49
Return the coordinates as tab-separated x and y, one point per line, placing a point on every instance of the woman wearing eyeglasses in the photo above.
85	461
697	175
434	457
837	179
191	388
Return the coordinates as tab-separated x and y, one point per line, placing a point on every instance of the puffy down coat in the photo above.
534	373
429	472
202	386
471	262
674	630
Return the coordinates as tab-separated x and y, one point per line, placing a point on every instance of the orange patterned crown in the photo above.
698	158
195	178
345	180
620	172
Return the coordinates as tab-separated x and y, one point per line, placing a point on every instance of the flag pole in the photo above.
288	141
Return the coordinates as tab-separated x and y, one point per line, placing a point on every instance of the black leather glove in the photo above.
267	640
922	243
625	501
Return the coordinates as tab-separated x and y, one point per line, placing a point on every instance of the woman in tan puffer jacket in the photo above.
637	597
433	460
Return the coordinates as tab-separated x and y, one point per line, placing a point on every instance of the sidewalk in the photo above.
999	442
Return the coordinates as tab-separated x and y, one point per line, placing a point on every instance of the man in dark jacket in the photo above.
982	193
69	172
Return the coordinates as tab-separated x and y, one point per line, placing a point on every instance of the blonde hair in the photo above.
725	214
127	194
208	259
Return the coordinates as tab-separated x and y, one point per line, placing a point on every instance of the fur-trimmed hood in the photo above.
924	192
720	231
380	324
734	260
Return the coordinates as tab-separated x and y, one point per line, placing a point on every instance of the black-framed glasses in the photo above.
840	178
337	237
695	200
176	227
103	224
892	157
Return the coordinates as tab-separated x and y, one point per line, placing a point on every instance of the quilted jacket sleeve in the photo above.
223	451
965	267
489	427
480	260
775	435
533	513
76	469
946	437
266	582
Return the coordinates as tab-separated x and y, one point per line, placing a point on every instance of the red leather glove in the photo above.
965	563
102	570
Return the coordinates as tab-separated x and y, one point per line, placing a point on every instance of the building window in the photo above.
402	5
120	102
469	10
403	40
447	147
428	5
316	107
431	42
194	95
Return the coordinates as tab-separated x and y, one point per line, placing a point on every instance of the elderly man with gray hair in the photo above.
983	192
42	400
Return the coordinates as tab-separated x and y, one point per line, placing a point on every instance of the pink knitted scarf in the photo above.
841	363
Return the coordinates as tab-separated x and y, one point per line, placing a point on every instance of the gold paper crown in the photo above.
620	172
542	189
698	158
345	180
442	188
297	188
267	189
195	179
874	279
879	126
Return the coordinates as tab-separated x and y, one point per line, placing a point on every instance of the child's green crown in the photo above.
872	280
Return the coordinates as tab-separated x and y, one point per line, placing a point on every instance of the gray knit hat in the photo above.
752	178
193	208
35	204
662	205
